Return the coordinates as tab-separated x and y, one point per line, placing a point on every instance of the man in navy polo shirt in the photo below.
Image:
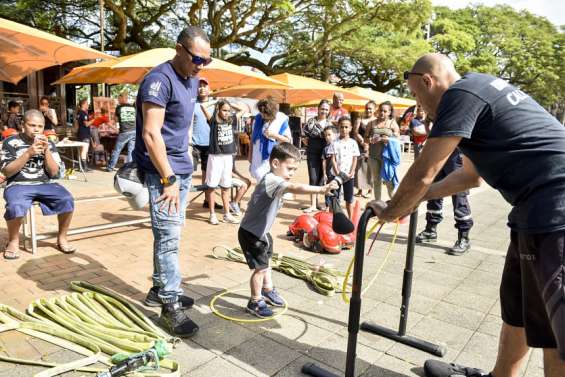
518	148
165	107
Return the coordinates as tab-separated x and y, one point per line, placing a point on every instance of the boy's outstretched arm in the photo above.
298	188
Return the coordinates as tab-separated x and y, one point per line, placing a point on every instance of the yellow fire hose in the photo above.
97	320
344	292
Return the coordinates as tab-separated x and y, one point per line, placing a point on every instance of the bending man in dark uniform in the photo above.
518	148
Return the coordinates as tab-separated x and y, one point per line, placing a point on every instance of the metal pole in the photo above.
354	305
101	4
94	228
400	335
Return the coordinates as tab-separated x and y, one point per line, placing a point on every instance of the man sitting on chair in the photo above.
30	163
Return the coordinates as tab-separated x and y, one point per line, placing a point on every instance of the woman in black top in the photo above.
82	128
362	172
49	114
315	143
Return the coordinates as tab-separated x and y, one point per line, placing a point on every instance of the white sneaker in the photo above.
230	219
213	219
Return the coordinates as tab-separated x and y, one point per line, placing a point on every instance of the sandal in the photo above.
11	254
66	249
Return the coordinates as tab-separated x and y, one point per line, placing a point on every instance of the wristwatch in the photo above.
169	181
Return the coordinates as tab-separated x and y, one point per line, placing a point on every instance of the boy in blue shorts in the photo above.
262	209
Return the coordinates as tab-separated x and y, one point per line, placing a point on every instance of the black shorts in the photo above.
532	291
348	190
202	152
257	252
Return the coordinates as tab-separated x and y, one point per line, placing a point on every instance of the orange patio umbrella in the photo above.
300	89
24	50
369	94
131	69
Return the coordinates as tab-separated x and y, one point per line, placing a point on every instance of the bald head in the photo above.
437	65
338	100
430	77
34	116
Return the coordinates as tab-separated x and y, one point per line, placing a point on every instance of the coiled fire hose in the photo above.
325	280
93	320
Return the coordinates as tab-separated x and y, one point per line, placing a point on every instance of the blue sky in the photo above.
554	10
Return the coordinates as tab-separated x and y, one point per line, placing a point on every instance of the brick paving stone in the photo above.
295	333
437	332
470	300
16	345
218	367
220	335
479	352
458	315
191	355
261	356
333	353
294	369
388	366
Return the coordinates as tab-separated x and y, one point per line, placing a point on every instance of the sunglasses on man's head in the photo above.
408	73
197	60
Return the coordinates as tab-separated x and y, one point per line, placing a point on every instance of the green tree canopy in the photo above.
518	46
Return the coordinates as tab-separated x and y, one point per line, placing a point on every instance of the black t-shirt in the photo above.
314	131
221	138
515	145
125	115
49	125
83	129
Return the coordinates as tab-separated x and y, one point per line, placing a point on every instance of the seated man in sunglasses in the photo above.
165	108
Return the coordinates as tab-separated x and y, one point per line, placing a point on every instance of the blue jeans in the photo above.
123	139
166	237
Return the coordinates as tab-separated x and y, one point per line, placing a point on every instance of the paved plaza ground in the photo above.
454	299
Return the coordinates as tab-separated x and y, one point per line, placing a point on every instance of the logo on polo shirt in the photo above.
154	88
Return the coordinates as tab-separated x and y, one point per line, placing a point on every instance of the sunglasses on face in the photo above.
408	73
197	60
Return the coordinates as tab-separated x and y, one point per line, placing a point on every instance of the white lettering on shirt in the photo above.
154	88
499	84
516	97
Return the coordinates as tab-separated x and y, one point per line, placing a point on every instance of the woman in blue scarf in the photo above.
270	127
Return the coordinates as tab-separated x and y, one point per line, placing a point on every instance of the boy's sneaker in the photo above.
213	219
152	299
234	207
272	297
259	308
176	322
436	368
230	219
